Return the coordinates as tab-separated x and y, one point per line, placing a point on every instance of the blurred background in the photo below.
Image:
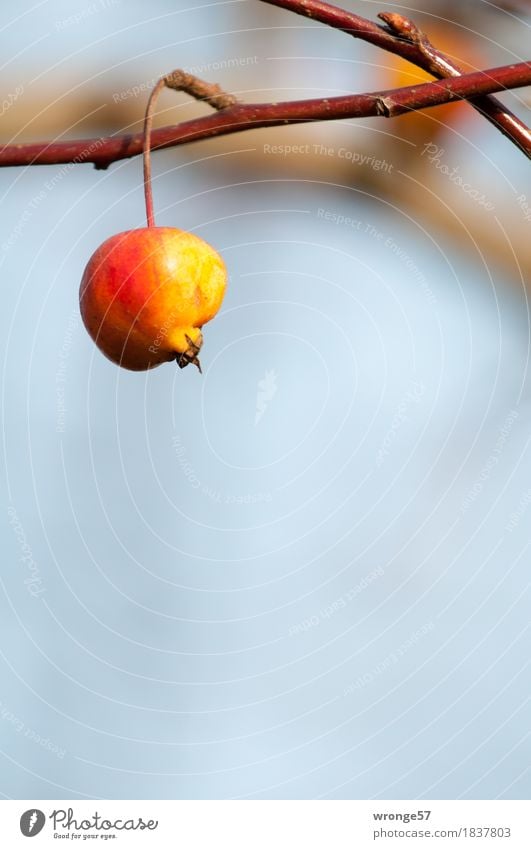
302	574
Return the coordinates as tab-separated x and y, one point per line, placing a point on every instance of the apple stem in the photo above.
179	81
148	123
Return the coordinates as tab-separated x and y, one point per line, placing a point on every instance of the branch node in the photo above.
384	106
402	26
212	93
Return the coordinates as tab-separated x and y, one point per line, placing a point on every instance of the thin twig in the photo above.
454	88
398	39
442	66
247	116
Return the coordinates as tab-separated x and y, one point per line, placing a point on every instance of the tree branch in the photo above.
405	39
247	116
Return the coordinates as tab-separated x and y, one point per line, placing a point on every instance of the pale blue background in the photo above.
166	657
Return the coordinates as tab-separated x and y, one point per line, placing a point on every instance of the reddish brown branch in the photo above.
248	116
406	40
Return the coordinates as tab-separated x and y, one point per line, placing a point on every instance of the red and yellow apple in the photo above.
146	293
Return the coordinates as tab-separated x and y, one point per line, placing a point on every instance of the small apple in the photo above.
146	293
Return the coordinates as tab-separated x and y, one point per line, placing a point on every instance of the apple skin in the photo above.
145	295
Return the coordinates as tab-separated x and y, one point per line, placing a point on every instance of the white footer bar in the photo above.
267	824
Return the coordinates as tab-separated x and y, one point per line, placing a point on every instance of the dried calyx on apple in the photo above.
146	293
